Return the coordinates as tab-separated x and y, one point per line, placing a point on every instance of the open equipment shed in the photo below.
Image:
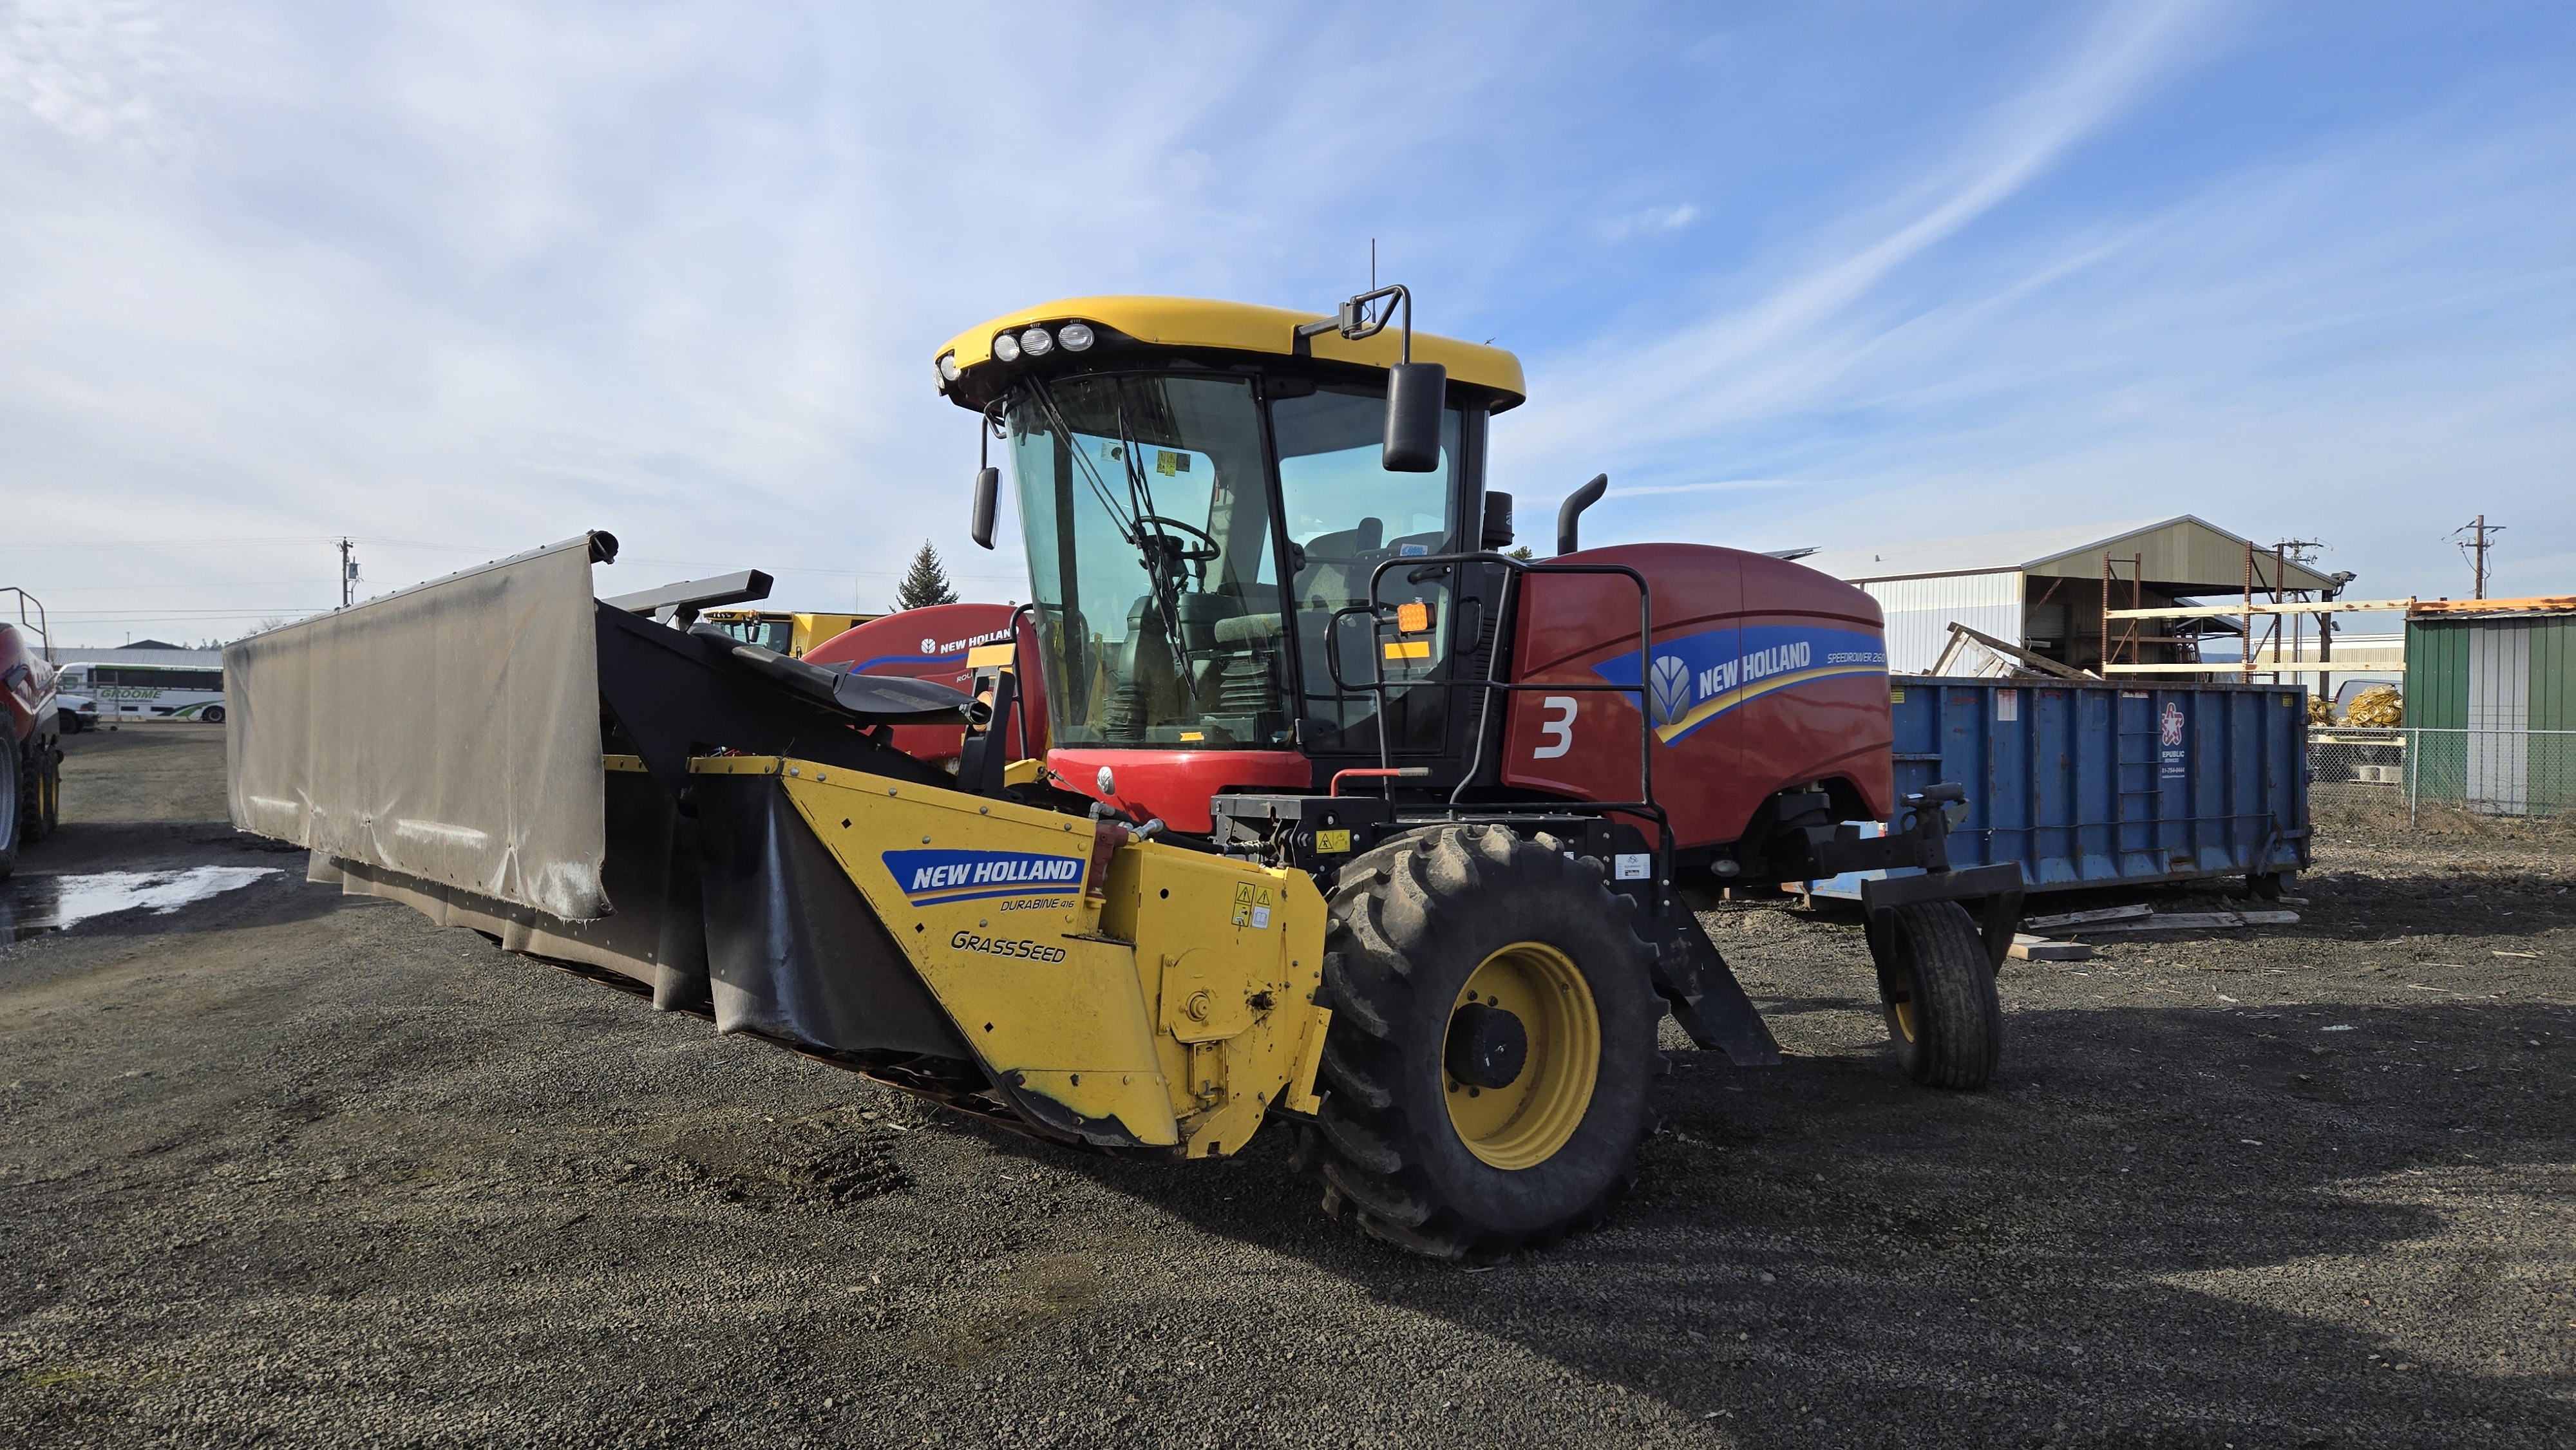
2043	589
2491	702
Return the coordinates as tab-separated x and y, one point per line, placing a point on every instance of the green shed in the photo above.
2491	703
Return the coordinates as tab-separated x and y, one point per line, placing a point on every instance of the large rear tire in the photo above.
1938	992
1492	1045
14	787
49	790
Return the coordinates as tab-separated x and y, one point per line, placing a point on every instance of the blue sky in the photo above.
460	279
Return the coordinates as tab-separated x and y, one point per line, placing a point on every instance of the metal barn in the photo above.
2044	589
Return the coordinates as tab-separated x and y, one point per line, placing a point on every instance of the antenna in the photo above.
2479	531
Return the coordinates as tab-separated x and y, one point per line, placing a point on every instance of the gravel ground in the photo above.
292	1168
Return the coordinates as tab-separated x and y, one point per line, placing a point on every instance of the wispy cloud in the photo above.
1653	221
1795	334
1670	490
98	73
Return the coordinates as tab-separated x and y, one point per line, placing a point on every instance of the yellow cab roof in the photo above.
1194	322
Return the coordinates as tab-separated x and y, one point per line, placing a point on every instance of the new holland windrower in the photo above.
1291	797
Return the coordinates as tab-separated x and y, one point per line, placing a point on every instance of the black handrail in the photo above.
44	635
1417	565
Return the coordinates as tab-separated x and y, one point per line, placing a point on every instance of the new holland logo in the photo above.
933	877
1695	678
1672	692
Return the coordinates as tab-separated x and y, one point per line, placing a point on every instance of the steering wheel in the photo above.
1189	556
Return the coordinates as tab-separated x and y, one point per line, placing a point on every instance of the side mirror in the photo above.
988	498
1415	395
1415	392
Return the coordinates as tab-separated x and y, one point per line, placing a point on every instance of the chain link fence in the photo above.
2408	769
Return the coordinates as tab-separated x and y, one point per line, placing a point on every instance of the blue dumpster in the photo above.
2112	783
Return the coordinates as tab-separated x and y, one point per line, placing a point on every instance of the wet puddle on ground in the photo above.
33	904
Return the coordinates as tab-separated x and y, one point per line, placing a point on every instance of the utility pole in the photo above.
348	572
2479	531
2285	553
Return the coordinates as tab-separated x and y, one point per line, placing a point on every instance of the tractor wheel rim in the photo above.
1902	1005
1524	1124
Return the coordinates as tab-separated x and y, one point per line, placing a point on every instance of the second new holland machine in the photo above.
1290	796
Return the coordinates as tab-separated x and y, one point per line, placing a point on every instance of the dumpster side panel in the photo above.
2100	784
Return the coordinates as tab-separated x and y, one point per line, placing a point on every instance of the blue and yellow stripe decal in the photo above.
1698	677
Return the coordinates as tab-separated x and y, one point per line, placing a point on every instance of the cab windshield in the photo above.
1148	519
1154	557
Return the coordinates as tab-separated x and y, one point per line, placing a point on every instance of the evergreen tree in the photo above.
925	582
1522	552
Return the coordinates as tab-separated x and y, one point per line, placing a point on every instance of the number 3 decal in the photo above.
1559	731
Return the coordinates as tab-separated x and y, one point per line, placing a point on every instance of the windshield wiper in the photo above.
1153	550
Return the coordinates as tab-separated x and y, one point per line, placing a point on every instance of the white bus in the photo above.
130	692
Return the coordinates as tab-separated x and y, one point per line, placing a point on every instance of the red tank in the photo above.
27	687
1764	675
932	644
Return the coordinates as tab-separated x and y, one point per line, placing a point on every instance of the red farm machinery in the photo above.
1290	795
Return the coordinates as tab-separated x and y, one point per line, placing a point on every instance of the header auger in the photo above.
1289	795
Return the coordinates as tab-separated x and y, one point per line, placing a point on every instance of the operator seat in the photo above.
1338	571
1145	684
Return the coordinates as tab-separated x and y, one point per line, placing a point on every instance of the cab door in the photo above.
1343	516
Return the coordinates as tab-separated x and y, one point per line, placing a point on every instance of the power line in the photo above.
132	614
167	588
97	545
489	550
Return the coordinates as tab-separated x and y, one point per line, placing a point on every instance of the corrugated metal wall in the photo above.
2437	674
2437	700
1920	611
2466	676
2553	707
2499	776
2553	674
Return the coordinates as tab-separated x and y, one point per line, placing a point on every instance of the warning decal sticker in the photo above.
1252	906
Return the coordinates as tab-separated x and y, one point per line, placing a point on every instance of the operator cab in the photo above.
1205	494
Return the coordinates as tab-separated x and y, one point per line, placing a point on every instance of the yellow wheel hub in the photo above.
1904	1006
1524	1122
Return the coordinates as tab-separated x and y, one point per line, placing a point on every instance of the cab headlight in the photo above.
1036	343
1006	348
1075	336
948	366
